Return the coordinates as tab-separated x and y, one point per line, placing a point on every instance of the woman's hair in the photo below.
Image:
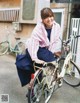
46	12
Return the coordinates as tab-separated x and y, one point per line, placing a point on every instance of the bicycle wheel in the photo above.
19	48
3	48
72	75
51	81
41	90
35	93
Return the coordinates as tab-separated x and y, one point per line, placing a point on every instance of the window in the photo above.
30	10
65	1
59	17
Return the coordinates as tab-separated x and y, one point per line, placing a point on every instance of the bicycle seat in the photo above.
38	65
53	63
17	38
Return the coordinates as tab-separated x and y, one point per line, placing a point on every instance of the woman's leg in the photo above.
45	55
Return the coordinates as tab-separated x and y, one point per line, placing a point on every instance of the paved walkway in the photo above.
10	84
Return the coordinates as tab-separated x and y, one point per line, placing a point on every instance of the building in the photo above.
10	12
22	15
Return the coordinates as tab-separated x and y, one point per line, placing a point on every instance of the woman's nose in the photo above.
49	18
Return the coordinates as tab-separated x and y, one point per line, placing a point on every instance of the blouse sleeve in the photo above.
33	46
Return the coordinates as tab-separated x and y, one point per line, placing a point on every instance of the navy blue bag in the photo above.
25	68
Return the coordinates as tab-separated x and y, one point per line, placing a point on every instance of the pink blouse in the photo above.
39	39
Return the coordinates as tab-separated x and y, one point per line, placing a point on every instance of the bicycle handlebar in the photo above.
68	41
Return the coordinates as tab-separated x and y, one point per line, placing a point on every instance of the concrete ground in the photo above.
10	84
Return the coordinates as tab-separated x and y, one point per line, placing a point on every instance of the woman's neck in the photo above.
48	27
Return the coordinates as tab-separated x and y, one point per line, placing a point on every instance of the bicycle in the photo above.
70	71
46	78
7	47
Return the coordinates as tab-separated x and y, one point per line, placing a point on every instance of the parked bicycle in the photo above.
70	70
7	47
46	79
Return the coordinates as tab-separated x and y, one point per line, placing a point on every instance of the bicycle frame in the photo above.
13	49
65	65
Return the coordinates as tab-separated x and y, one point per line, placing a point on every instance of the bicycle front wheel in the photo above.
72	77
3	48
43	86
35	93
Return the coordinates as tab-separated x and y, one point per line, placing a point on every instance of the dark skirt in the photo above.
24	64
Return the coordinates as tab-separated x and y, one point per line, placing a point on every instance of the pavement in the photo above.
10	85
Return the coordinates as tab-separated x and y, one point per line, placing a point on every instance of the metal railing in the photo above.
9	14
75	44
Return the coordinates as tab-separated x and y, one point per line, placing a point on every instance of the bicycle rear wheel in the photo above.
72	76
3	48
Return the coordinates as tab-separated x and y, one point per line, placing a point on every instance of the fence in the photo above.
75	44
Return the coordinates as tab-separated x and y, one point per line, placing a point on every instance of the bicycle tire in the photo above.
3	48
42	92
72	77
51	76
52	84
35	92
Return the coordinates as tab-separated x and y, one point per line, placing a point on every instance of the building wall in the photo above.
7	28
26	29
9	3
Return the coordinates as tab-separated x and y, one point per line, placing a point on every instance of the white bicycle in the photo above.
46	78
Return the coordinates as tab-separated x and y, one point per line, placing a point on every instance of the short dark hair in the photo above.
46	12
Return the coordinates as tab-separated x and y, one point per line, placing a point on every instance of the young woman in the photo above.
43	46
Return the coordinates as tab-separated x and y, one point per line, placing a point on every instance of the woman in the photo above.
44	44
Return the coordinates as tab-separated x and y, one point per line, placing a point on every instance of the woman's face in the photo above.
48	22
